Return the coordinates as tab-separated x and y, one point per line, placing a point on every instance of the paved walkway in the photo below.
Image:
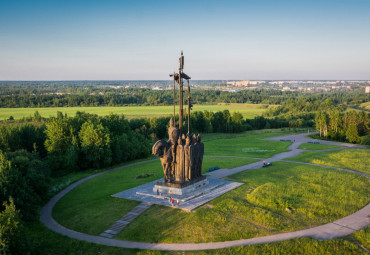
338	228
125	220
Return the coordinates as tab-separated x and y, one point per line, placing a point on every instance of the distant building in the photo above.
238	83
256	82
158	88
233	90
367	89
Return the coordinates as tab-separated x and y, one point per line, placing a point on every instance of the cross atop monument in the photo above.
178	78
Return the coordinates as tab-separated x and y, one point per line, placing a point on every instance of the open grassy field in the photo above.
311	146
248	110
47	242
118	181
257	208
355	159
247	144
94	203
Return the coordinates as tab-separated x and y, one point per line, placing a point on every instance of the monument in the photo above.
182	155
181	158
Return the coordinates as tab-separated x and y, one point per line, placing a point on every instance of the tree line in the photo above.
352	126
32	153
97	96
331	118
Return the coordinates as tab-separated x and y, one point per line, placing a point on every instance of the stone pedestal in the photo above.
180	188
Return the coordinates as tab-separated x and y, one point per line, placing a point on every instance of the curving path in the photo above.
338	228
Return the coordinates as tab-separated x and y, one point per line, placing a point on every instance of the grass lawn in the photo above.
363	237
90	208
258	207
224	162
247	110
247	144
355	159
48	242
311	146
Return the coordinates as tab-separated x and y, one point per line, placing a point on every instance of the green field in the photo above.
48	242
257	208
355	159
247	144
311	146
248	110
96	204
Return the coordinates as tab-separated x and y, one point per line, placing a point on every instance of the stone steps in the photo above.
210	195
125	220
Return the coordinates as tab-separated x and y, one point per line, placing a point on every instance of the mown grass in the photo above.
258	207
363	237
224	162
47	242
90	208
355	159
311	146
247	110
247	144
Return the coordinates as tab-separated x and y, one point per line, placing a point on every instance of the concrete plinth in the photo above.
168	189
188	201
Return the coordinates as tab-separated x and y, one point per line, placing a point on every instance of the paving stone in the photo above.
123	222
111	232
188	202
106	235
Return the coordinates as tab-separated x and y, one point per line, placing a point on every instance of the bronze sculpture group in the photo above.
182	155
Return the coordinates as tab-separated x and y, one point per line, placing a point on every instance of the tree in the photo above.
61	144
321	121
12	237
95	144
15	184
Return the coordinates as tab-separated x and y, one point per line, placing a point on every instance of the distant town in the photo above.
282	85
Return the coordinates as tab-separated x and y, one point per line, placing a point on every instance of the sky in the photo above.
221	40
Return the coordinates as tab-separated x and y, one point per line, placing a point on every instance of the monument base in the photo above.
180	188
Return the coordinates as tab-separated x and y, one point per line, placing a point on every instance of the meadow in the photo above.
311	146
117	181
97	210
354	159
247	110
48	242
256	208
247	144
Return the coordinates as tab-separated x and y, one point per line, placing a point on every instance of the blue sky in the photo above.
142	40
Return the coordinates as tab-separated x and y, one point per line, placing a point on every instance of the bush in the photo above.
366	140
